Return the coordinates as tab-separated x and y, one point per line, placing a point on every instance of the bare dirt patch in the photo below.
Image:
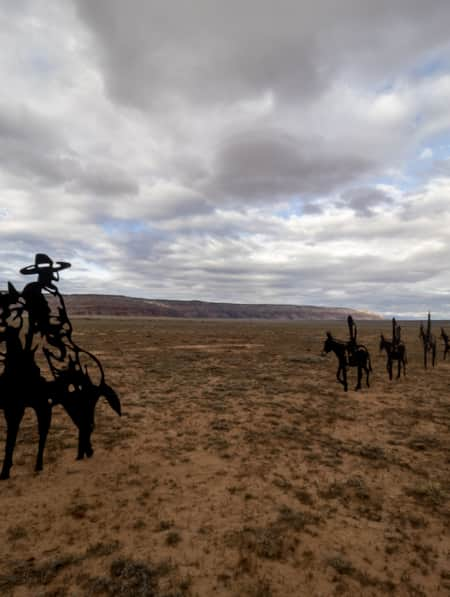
239	468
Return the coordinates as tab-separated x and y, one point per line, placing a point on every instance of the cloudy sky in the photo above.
276	151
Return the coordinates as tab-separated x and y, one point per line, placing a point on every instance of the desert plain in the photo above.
239	467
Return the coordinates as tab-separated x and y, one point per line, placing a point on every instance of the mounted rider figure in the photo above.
351	344
396	334
49	329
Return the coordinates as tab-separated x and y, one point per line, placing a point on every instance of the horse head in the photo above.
11	309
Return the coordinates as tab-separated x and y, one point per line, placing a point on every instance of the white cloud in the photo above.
426	153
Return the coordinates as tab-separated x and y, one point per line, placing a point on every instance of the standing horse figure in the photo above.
395	350
78	388
446	339
349	354
429	343
21	384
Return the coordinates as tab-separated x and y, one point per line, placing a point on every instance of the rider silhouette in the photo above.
353	332
48	324
396	334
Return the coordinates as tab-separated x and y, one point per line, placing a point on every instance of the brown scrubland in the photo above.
240	467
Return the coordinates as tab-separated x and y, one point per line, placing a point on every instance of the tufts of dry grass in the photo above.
239	468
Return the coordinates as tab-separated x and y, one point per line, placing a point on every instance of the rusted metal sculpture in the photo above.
429	342
41	365
446	340
349	354
395	350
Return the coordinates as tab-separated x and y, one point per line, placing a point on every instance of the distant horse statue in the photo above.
446	340
349	354
429	343
395	350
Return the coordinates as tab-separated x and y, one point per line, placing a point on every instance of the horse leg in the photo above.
82	435
86	418
79	420
359	368
84	441
433	355
368	369
390	367
44	416
344	378
425	357
84	438
12	422
88	449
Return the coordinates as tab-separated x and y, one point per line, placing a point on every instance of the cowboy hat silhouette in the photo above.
44	265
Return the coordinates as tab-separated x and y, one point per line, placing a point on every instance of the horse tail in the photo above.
111	397
79	351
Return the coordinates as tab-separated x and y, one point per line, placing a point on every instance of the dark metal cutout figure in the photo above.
21	384
349	354
429	343
42	366
446	340
395	350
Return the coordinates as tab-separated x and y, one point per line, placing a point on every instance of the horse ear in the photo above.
13	293
329	335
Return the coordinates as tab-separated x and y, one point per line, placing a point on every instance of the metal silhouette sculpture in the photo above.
42	364
349	354
429	343
395	350
446	340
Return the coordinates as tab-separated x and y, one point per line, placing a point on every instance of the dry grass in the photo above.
239	468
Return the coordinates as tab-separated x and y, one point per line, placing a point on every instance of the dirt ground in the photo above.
239	468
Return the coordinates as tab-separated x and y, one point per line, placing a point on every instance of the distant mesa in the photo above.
122	306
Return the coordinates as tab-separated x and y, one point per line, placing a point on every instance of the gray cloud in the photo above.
30	146
219	51
365	200
105	179
33	148
273	164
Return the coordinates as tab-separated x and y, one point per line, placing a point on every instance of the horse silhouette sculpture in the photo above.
36	333
349	354
446	340
429	343
395	350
